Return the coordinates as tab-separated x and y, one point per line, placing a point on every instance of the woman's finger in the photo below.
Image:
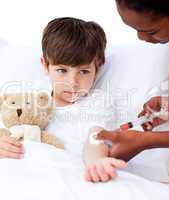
106	135
148	126
142	113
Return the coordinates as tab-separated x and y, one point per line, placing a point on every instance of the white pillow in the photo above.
21	63
132	70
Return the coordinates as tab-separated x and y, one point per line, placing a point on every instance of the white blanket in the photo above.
46	173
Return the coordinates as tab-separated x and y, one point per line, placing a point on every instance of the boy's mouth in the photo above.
71	93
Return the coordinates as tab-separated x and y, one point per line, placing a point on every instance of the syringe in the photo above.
146	118
124	127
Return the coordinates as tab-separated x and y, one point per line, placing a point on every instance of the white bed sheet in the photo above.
46	173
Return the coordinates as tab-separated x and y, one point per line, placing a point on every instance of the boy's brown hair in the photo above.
73	42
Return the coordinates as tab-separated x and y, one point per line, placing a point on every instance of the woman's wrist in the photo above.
155	140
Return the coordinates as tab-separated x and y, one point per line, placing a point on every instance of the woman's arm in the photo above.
156	139
127	144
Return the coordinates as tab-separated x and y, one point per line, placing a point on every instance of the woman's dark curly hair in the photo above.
157	7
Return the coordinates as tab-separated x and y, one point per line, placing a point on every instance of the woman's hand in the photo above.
103	169
125	144
155	104
10	148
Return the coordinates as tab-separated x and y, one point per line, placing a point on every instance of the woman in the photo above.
150	18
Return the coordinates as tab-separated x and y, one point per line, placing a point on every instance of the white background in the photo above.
22	21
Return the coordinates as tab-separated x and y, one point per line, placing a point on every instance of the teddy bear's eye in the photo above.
13	102
28	103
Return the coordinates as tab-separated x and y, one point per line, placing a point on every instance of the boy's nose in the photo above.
73	81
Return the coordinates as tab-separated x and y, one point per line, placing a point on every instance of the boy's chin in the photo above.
71	100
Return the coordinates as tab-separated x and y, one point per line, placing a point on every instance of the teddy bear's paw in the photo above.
52	140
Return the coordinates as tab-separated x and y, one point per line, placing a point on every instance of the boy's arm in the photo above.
92	152
100	167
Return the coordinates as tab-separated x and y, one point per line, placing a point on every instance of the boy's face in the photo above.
70	83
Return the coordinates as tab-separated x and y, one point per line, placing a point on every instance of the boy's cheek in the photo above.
60	85
55	79
85	90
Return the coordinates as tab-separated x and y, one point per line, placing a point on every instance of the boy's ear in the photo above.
45	67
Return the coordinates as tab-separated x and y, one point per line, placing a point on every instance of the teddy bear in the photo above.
25	117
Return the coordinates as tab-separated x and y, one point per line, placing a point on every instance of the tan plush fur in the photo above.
28	109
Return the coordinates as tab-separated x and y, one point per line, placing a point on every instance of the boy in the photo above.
73	52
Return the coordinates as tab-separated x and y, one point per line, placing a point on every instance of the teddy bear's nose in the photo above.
19	112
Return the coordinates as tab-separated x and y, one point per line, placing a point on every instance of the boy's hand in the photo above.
103	169
10	148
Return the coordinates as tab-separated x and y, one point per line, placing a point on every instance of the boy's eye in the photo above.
84	71
61	70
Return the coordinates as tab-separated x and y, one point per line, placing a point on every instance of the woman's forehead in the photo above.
140	21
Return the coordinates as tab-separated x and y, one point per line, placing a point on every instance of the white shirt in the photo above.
72	123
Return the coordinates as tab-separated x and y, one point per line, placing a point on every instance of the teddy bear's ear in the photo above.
3	97
44	99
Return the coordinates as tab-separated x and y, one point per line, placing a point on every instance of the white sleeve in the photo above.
162	89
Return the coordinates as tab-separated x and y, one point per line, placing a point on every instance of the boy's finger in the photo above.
102	173
13	141
110	170
87	175
118	163
8	154
94	175
10	147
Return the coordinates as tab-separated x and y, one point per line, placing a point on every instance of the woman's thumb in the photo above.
107	135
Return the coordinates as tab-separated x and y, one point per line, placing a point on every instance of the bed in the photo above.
49	173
